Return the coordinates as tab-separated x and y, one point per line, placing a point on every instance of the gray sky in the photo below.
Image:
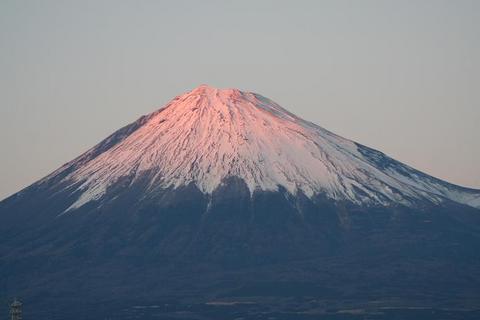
399	76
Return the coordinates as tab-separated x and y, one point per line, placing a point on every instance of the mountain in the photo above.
221	198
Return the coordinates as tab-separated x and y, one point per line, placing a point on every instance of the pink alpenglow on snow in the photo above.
208	135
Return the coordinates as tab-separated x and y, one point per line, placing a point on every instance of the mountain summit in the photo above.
208	135
222	205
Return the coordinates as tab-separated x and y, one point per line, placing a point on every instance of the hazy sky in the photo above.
399	76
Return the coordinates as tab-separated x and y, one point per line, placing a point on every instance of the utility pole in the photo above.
16	310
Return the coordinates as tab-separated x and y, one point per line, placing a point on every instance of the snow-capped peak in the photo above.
209	134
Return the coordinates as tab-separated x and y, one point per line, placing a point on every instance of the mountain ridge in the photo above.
170	242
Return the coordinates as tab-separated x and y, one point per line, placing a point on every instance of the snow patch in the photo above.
209	134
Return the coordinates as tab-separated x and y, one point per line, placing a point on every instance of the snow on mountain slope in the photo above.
209	134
